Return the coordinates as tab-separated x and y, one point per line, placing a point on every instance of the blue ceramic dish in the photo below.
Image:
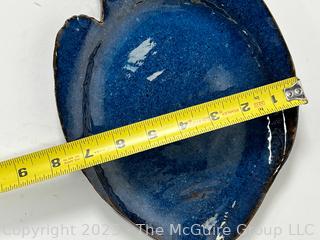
148	58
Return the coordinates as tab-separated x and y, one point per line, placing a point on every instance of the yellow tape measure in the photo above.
151	133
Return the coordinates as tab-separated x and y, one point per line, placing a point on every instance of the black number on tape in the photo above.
152	134
56	162
120	143
214	116
245	107
22	172
88	155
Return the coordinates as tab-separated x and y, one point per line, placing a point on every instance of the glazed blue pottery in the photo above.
147	58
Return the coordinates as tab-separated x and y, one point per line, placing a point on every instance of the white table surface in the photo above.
63	208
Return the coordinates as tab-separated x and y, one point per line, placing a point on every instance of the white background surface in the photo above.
29	122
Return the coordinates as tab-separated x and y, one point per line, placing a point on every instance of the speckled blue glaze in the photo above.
152	57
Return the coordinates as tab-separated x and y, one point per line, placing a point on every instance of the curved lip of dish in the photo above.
267	185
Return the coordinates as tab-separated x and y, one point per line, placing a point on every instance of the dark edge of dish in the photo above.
291	121
290	114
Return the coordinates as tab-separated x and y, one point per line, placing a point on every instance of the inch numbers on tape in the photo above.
150	133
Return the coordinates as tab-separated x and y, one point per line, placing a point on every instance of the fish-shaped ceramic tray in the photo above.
147	58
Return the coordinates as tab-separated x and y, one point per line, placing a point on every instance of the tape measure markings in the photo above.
150	133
